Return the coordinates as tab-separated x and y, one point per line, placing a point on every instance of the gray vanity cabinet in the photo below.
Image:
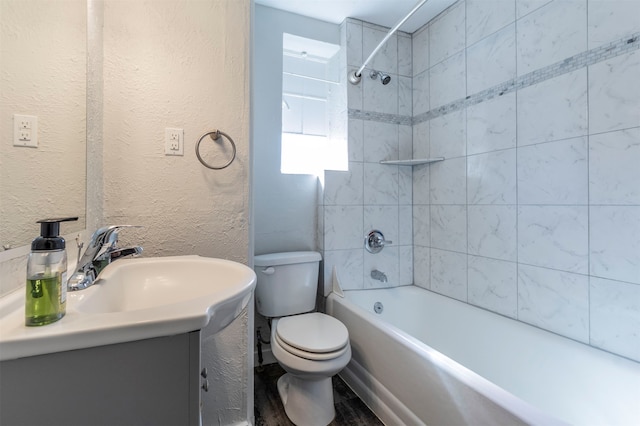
148	382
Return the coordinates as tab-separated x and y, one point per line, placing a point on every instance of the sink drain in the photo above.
377	307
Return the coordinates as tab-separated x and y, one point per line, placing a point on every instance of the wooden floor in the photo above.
268	409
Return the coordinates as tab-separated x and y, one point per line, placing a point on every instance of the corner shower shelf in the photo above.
414	162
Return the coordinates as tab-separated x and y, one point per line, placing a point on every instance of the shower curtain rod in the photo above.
355	76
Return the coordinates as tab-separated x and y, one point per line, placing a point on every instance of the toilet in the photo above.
310	346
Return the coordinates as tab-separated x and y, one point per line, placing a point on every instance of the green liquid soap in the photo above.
45	299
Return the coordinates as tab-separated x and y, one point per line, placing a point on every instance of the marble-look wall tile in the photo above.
447	80
447	34
420	90
492	232
493	285
380	184
349	266
405	67
320	226
385	219
421	140
421	189
378	97
448	181
387	262
614	93
614	175
421	225
354	43
550	34
405	225
615	317
405	254
405	142
610	20
420	50
422	266
614	233
554	109
343	227
405	96
449	274
449	227
554	300
387	57
344	187
524	7
492	60
380	141
356	140
491	177
484	17
491	125
405	185
553	173
554	237
355	94
448	135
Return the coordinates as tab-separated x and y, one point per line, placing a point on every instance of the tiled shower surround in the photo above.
535	213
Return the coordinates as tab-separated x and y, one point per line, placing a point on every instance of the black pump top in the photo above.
49	238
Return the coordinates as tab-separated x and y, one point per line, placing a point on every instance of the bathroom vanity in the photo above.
154	382
151	343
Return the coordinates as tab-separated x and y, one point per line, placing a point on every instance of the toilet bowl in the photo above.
310	346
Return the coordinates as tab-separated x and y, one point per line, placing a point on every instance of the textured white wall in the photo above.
43	55
177	64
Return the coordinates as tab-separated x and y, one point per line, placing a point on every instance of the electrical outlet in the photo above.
173	141
25	130
24	135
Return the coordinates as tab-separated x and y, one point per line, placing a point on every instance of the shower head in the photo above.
384	78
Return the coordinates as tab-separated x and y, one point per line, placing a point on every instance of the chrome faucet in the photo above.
374	242
378	275
101	251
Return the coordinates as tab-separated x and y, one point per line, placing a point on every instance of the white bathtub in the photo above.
428	359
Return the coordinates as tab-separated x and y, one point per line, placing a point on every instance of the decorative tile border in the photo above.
581	60
380	117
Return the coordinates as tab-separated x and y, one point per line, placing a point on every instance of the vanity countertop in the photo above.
170	295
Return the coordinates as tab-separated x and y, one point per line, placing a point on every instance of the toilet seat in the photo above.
313	336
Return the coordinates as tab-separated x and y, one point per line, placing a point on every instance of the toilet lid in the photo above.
313	332
313	356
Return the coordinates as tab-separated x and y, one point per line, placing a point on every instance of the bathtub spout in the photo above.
378	275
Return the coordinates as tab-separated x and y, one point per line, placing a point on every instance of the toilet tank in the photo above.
287	282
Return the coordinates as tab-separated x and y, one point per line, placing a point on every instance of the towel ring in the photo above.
215	135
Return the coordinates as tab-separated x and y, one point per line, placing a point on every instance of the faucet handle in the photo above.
109	234
105	239
375	242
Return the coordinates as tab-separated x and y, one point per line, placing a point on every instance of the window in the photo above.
313	129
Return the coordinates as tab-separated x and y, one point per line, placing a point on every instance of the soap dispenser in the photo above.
46	295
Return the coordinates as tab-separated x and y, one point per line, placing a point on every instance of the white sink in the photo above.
134	284
134	299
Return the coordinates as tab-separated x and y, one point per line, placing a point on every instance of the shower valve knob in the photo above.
375	242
